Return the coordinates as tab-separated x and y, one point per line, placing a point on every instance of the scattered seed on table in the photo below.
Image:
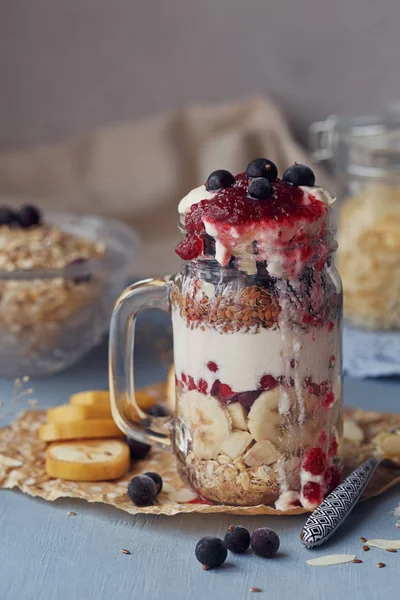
391	549
206	568
71	514
357	561
363	539
255	589
125	551
365	548
380	565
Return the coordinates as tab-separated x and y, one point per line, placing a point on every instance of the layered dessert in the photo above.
256	316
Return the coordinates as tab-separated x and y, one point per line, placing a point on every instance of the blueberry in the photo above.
219	179
158	410
157	480
7	216
262	167
79	278
264	542
138	449
141	490
237	539
29	216
211	552
299	175
259	189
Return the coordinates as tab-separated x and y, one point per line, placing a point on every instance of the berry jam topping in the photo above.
328	400
299	175
212	366
268	382
191	383
315	461
262	167
219	179
312	492
288	209
260	189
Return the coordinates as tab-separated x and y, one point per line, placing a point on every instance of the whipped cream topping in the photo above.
280	230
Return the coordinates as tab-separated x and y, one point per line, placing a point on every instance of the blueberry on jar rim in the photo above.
219	179
298	174
259	189
262	167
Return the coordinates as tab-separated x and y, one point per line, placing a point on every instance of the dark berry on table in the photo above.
157	480
315	461
299	175
237	539
84	278
7	216
211	552
265	542
262	167
158	410
138	449
29	216
259	189
141	490
219	179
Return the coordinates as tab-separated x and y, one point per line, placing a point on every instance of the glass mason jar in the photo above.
365	154
258	377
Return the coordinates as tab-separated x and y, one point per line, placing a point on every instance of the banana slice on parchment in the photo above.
75	412
93	460
207	421
93	428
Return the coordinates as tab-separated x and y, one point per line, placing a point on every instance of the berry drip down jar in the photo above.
256	314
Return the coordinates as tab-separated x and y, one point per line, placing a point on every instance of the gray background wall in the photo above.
67	66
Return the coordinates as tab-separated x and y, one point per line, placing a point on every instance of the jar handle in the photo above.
130	418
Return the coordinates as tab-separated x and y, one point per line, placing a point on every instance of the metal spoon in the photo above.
336	507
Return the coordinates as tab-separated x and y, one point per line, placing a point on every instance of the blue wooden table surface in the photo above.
47	555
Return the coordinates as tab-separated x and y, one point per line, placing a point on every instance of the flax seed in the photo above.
363	539
365	548
357	561
380	565
125	551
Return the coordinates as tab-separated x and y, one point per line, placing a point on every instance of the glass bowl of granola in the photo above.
59	278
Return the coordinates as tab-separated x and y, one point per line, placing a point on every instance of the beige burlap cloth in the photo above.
138	172
22	466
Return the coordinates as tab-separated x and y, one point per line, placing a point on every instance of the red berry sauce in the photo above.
285	208
312	492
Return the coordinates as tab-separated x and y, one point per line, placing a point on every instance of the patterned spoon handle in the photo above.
335	509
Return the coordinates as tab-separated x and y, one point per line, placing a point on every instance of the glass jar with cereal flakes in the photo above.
365	152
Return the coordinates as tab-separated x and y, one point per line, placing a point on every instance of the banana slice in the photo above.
262	453
238	414
93	428
170	399
95	460
94	397
264	420
236	443
207	421
74	412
